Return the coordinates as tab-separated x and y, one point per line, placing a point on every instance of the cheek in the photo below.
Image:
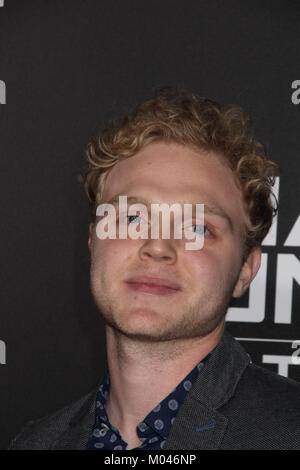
108	255
204	266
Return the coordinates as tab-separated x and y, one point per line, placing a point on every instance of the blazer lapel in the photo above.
79	428
199	424
196	427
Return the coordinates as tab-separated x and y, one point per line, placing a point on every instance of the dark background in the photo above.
68	66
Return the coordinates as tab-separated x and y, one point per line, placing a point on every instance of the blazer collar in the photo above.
198	424
76	435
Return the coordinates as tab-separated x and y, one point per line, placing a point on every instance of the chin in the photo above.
140	325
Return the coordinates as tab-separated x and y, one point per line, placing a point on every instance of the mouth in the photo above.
153	285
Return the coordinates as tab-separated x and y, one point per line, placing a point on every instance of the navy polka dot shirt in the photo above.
155	427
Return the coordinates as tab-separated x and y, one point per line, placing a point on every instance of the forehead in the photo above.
169	172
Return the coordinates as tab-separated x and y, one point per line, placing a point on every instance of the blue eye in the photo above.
202	227
128	217
200	231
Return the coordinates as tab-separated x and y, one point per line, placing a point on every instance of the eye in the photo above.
202	230
134	216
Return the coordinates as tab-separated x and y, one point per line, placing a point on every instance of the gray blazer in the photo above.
233	404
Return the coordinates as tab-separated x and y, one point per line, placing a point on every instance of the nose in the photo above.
159	250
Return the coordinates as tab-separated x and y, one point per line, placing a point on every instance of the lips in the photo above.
154	282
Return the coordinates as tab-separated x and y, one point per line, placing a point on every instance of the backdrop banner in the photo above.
66	68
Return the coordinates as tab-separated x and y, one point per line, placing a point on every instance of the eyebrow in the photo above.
208	208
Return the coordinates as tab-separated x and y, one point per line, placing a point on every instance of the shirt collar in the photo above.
162	416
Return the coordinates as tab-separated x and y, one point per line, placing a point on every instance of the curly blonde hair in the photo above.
185	118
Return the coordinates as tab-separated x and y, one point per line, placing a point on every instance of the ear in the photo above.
91	228
248	272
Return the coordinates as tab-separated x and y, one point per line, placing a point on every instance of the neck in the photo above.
143	373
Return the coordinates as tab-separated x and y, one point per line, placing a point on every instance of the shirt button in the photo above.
103	430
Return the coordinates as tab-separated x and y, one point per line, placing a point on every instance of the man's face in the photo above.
170	173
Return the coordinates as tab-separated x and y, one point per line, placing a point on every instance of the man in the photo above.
176	379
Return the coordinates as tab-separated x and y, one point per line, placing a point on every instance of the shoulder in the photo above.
43	432
274	389
264	411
